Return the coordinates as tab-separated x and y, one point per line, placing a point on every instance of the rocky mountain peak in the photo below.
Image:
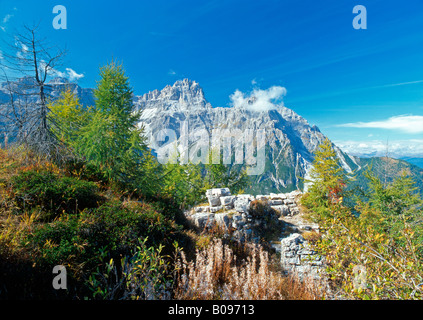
181	96
290	140
58	80
185	90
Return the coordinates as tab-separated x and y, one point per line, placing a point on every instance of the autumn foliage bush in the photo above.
374	247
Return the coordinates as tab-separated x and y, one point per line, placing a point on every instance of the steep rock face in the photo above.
290	140
25	94
25	88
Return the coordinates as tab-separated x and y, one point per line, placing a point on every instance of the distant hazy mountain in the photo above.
387	169
416	161
53	88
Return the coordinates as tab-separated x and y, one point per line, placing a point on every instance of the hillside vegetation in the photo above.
387	169
98	203
372	236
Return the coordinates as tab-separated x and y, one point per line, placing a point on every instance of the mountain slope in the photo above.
416	161
387	169
290	140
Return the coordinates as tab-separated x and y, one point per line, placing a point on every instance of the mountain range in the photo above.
181	112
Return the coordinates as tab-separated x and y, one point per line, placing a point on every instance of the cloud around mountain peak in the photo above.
259	99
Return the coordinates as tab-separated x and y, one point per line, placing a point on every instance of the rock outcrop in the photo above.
232	212
298	257
238	215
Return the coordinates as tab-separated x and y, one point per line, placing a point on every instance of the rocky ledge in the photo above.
232	212
241	215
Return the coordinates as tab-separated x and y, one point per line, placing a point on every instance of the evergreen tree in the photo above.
327	178
389	206
219	175
111	140
184	182
67	116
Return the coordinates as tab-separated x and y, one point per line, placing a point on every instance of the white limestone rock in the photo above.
214	201
227	200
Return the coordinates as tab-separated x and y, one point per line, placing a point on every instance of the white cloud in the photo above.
171	72
7	18
23	51
259	100
254	82
395	148
72	75
24	47
399	84
69	73
405	123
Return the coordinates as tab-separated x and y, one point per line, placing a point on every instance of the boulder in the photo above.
227	200
203	219
248	197
198	209
292	240
225	192
216	209
213	201
223	220
242	205
294	194
289	201
202	209
276	202
218	192
282	209
295	211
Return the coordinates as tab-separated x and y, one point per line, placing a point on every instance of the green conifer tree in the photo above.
219	175
327	178
67	117
111	140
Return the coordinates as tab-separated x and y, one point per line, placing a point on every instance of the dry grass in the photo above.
217	275
311	235
17	159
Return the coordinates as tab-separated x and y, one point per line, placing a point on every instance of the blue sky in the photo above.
362	88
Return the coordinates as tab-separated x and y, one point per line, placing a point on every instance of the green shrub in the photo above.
146	275
58	242
112	228
54	193
269	227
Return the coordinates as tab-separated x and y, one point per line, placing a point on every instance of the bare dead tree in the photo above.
26	65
